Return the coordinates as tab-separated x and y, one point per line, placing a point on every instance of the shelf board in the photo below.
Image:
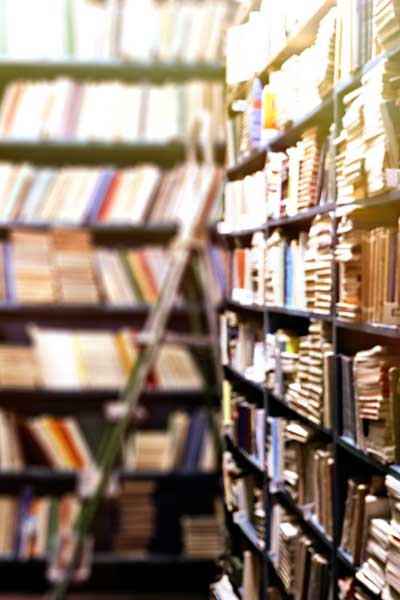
319	429
110	69
300	313
242	233
247	165
248	531
246	384
112	235
175	477
250	460
320	115
347	445
302	216
64	402
388	331
254	309
310	524
346	560
301	38
86	153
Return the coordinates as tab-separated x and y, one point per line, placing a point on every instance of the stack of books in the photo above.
310	393
319	265
365	502
76	360
386	23
187	445
373	571
275	259
170	31
137	517
102	112
368	145
392	588
202	535
375	403
302	569
277	186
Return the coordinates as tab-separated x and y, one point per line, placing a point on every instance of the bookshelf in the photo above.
348	336
170	570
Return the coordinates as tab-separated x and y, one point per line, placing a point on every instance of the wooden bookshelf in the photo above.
111	70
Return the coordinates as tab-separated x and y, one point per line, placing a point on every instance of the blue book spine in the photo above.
99	193
288	277
9	278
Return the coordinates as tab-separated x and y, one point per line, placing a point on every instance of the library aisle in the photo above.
200	299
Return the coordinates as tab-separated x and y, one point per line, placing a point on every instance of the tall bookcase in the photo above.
147	573
347	337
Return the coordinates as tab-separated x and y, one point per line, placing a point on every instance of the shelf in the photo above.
301	38
110	69
320	115
302	216
242	233
45	480
246	384
86	153
310	524
108	235
113	573
348	445
250	460
254	309
319	429
346	560
248	531
389	331
247	165
64	402
89	315
300	313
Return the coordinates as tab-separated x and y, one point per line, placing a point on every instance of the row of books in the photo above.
184	31
291	181
32	526
294	90
242	347
371	533
72	444
187	445
304	571
370	402
281	271
244	422
368	146
305	468
80	196
78	360
108	112
368	258
244	498
63	267
249	577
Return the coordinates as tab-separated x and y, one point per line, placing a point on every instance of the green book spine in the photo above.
53	526
131	275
